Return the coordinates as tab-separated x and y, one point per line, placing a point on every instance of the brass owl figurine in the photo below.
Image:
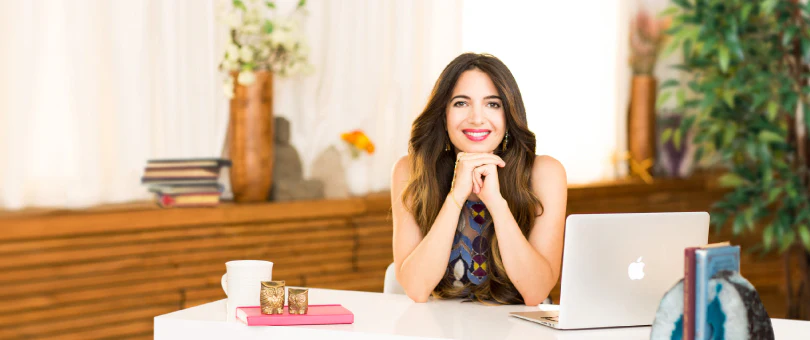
272	297
298	300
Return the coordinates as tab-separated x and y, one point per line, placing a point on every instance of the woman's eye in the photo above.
460	104
494	105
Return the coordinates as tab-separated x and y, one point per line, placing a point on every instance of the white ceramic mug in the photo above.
242	283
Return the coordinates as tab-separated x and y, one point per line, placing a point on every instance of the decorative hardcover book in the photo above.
188	200
689	293
707	263
189	162
316	315
170	180
174	189
182	173
689	288
181	182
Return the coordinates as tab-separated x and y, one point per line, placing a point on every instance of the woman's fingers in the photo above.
478	178
474	160
478	182
469	156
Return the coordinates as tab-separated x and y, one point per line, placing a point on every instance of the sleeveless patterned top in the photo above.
470	250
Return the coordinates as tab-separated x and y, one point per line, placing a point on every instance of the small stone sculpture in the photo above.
288	178
328	168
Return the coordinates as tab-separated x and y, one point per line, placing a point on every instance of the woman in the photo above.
476	212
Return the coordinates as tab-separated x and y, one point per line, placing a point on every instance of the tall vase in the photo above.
251	139
641	119
357	174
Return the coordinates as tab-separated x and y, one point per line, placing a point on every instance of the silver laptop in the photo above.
617	267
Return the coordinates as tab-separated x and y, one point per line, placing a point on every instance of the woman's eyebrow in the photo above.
468	98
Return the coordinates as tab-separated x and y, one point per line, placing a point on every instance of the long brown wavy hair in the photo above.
432	170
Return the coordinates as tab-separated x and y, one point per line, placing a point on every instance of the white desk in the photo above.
394	316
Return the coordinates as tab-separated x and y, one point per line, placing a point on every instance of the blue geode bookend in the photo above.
735	311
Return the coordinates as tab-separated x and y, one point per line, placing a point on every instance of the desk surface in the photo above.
394	316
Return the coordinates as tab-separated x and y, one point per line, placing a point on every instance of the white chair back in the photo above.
391	285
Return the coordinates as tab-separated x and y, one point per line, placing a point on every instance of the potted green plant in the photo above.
746	95
262	42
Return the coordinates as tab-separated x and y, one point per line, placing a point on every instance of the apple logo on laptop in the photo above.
636	270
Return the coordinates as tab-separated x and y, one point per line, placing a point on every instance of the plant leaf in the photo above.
669	11
676	139
268	27
302	3
773	194
663	99
788	35
766	136
746	10
728	97
271	4
739	224
767	6
787	240
767	237
723	56
804	235
805	44
728	135
666	135
669	83
748	215
731	180
239	4
773	109
673	45
683	3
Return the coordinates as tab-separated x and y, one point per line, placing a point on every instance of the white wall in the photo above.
564	56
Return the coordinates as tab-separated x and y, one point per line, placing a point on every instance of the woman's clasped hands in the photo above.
477	173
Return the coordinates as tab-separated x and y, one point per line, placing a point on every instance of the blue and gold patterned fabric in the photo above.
470	251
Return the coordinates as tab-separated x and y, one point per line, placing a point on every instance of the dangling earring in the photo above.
446	146
505	140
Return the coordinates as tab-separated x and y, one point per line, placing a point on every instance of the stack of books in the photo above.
700	265
185	182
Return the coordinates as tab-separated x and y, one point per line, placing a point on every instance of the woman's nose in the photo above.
476	115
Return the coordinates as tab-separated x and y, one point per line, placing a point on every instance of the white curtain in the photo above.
91	89
376	62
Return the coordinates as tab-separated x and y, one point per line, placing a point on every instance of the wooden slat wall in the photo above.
106	272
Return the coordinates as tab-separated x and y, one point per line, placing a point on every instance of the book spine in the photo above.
701	294
165	201
689	294
707	263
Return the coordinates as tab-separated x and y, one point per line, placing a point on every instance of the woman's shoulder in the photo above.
547	168
401	169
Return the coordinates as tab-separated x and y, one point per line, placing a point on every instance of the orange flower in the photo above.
359	140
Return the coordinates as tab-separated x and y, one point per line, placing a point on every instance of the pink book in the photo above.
316	315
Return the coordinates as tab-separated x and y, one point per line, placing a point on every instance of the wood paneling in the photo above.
106	272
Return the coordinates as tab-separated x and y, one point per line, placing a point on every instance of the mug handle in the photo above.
224	283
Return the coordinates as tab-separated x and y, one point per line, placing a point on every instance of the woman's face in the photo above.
475	115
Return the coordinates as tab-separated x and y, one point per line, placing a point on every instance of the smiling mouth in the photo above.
476	135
